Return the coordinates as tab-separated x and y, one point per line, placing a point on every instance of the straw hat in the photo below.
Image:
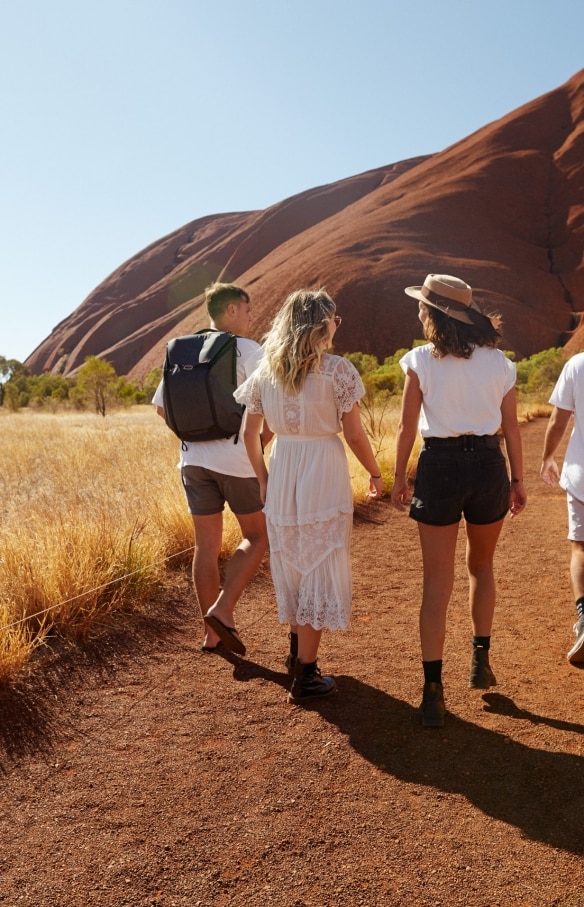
449	294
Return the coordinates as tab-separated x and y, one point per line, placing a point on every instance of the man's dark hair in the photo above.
219	295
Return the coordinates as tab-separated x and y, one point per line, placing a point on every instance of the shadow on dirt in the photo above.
33	720
546	803
246	670
503	705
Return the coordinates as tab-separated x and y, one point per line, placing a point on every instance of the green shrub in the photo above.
539	373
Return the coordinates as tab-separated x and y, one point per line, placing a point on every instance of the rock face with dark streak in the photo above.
503	209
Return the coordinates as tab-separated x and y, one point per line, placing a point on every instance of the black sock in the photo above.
432	671
580	606
484	642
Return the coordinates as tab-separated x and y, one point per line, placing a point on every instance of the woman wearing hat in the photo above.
459	391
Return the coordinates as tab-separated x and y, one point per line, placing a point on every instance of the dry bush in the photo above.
380	421
91	509
17	643
380	416
528	410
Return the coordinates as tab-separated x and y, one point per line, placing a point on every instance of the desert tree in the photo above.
96	382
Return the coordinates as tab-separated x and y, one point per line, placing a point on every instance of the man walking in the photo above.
568	399
215	472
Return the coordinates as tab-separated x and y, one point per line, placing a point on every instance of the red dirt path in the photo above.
141	772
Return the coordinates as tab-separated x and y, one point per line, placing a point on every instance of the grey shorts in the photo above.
208	491
451	483
575	519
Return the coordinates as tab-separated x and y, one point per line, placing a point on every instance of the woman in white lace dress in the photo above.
307	397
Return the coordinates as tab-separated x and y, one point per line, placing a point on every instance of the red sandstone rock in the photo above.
503	209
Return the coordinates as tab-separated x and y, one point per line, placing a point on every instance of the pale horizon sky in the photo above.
123	121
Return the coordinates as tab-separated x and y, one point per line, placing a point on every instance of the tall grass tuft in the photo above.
90	512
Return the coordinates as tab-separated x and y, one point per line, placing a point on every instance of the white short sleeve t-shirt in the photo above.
223	455
460	396
569	394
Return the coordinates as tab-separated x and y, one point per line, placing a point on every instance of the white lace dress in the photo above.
309	502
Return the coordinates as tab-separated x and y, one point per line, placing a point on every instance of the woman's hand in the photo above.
376	487
400	493
517	498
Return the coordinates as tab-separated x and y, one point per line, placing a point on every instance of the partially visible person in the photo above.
307	397
568	399
216	472
459	391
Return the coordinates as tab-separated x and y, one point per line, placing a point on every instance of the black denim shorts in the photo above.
452	482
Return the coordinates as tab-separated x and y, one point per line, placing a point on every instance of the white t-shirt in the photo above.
569	394
460	396
223	455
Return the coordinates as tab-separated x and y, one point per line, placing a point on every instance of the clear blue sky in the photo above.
122	121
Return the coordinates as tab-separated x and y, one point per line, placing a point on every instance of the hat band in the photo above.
443	301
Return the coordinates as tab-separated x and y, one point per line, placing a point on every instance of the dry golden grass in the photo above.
380	423
90	509
92	515
528	410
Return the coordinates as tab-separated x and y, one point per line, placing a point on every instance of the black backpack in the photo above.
198	380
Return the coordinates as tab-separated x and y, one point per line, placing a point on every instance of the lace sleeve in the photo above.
348	387
249	394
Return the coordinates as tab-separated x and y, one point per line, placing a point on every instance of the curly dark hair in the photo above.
451	337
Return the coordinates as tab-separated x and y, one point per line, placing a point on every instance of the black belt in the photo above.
463	442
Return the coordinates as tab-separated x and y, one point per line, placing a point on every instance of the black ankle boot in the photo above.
293	654
433	709
481	674
309	684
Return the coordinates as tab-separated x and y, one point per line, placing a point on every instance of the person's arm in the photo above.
554	433
358	442
266	435
252	429
406	435
510	428
158	400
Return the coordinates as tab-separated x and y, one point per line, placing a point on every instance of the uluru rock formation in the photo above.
503	209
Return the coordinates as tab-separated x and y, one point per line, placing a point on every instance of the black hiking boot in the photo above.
293	654
309	684
433	710
481	676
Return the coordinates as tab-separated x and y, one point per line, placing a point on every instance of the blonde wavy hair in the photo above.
297	339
